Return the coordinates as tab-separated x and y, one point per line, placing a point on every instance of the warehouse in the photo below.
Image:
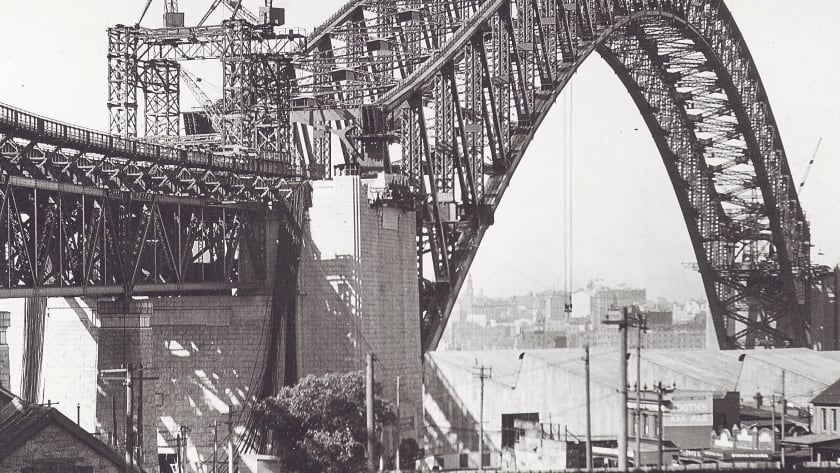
548	386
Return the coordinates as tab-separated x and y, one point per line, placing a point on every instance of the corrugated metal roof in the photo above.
703	369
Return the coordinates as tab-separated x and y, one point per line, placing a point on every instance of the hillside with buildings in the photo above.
560	319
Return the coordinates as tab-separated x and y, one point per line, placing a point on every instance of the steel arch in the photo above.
464	118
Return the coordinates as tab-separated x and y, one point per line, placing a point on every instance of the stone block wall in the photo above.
358	291
205	354
53	443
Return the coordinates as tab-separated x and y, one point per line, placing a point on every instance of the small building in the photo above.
40	439
823	443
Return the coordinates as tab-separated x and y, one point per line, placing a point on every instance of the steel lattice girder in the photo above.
686	66
70	240
33	146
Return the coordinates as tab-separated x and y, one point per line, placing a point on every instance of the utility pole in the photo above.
140	444
182	453
773	419
784	408
622	320
641	324
482	373
178	451
124	374
399	427
588	410
784	405
660	392
215	443
129	428
369	408
230	440
660	450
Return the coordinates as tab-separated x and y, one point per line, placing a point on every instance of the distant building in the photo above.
541	339
666	339
659	319
604	299
553	304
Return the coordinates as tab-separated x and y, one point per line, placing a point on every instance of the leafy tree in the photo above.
319	424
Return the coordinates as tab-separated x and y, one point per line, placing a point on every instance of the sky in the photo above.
627	227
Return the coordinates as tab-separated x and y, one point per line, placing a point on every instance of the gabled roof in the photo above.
831	395
21	421
6	396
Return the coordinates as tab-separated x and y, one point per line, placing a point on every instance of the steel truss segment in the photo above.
687	68
64	239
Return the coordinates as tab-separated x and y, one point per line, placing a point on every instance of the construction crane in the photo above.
236	8
808	169
209	107
172	17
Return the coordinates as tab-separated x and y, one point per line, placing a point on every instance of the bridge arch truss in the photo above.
450	93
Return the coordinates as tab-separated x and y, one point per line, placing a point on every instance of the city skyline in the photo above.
627	224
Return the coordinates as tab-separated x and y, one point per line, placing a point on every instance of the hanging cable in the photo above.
570	174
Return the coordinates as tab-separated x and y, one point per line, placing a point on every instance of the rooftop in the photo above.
21	421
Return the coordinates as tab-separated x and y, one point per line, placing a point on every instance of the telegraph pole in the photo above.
129	428
482	373
588	410
660	450
369	407
660	392
124	374
230	440
640	325
622	320
784	408
399	427
215	443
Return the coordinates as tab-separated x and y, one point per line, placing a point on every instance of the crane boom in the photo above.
236	8
810	166
170	6
239	11
207	105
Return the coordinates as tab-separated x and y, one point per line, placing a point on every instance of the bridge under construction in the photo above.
330	202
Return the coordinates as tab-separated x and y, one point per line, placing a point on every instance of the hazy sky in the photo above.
627	226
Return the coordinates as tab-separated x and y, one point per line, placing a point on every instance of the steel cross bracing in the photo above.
461	87
60	239
87	213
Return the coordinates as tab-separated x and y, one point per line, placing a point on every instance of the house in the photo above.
823	442
39	439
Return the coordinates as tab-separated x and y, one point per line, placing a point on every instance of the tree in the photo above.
319	426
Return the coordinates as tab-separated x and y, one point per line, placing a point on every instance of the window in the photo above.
645	425
834	420
824	413
510	433
158	399
3	337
